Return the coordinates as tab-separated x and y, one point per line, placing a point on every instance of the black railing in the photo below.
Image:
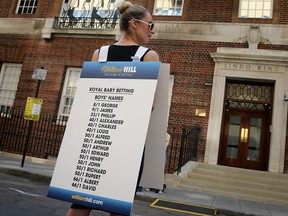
85	23
47	133
45	137
182	148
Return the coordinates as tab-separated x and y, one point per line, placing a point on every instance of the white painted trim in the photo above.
278	60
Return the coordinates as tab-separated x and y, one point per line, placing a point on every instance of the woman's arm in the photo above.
151	55
95	55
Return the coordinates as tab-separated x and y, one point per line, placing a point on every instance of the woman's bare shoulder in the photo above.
95	55
151	55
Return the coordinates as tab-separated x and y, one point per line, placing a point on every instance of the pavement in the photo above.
42	170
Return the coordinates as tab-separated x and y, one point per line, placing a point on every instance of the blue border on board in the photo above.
94	202
121	70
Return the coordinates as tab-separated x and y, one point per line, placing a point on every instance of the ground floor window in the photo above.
9	78
68	93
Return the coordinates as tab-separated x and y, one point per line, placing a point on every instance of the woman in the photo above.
136	25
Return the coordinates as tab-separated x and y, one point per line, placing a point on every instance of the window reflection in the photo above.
98	9
233	137
254	139
168	7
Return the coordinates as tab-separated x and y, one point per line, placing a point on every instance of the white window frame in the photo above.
255	9
167	8
9	78
68	93
26	6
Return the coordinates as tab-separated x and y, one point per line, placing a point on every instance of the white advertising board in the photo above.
101	151
155	146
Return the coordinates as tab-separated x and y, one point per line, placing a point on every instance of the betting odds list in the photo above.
102	148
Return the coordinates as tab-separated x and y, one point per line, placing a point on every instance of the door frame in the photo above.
242	63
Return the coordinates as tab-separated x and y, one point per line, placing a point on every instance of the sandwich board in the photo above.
102	148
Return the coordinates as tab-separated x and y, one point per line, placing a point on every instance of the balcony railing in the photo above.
85	23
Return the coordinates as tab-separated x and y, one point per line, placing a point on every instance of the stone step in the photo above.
238	183
257	185
255	181
246	172
235	187
266	199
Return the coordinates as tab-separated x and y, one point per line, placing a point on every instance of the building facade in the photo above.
228	58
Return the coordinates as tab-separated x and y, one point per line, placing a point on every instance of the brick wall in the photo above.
4	8
210	10
283	12
192	66
55	56
194	10
190	62
140	2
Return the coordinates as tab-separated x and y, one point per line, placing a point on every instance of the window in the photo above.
69	90
86	8
9	77
26	6
168	7
256	9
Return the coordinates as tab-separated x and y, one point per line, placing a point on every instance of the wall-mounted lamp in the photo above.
285	98
200	112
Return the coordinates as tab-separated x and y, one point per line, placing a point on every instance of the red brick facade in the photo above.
191	63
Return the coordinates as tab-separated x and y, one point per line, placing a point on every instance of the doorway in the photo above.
246	125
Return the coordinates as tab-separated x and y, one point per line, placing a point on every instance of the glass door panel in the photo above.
254	139
233	137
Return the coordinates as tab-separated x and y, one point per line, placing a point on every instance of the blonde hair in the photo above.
129	11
